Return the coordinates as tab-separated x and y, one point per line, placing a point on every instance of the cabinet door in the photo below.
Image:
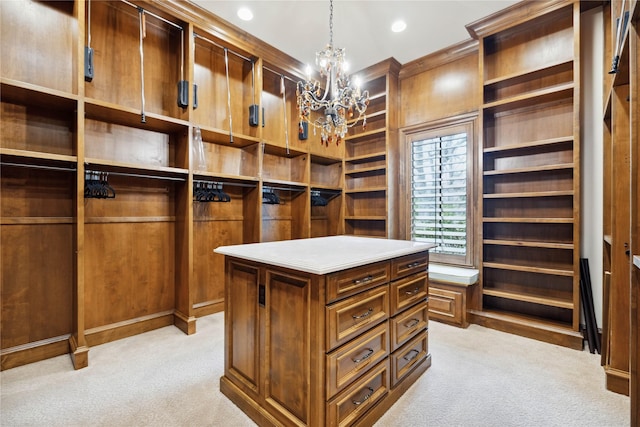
242	332
288	344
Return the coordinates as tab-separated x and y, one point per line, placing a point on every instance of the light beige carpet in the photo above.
479	377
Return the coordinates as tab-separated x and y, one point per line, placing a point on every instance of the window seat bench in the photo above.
449	289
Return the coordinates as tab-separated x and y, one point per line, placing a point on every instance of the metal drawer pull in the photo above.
365	357
413	265
364	280
412	323
409	359
365	314
413	292
365	398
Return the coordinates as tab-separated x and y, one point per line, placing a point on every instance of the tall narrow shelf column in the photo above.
370	178
529	67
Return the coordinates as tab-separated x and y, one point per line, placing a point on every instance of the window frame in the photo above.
466	124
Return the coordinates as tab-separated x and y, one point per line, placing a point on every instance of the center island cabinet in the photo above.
326	331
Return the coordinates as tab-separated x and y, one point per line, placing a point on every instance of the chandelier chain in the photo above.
331	23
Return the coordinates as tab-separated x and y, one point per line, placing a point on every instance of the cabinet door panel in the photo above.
287	344
242	325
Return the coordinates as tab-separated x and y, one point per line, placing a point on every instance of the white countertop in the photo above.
323	255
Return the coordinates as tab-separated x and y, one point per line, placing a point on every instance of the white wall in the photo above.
591	132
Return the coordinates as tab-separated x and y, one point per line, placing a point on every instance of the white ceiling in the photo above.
301	28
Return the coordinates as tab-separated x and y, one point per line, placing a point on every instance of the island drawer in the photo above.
408	356
349	362
353	316
349	282
408	323
356	399
408	291
409	264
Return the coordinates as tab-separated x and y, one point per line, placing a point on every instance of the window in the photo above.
440	196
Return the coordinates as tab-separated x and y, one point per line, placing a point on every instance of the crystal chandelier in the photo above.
343	104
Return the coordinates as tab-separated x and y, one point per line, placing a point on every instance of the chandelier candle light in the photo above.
340	101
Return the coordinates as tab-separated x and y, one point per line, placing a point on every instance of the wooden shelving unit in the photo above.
530	173
90	270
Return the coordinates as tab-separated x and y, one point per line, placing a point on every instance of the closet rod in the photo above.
135	175
221	47
280	74
153	14
271	187
55	168
228	183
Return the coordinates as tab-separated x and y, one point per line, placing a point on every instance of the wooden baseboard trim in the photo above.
79	354
116	331
617	381
186	324
207	308
528	328
13	357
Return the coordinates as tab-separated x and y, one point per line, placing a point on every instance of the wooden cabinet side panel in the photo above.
620	260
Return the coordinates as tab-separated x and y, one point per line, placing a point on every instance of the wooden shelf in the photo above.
365	135
556	93
549	245
366	158
37	158
545	144
366	190
528	220
530	169
520	320
550	271
523	76
285	185
130	117
531	194
136	169
533	299
213	176
220	136
22	93
367	171
365	218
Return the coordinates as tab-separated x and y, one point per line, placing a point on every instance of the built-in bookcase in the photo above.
530	173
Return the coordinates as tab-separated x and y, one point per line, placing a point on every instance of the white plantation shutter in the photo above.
439	193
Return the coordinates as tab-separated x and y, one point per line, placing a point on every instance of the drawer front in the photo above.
353	316
407	324
349	282
353	359
409	356
355	400
406	292
445	305
410	264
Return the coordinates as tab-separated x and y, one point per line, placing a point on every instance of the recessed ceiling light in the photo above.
245	14
398	26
